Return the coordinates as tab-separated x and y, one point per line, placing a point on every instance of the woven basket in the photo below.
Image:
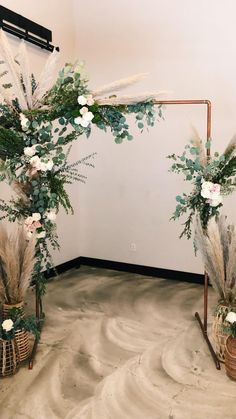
9	357
230	357
21	336
218	335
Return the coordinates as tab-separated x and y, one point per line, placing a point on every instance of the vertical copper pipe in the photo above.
206	278
208	152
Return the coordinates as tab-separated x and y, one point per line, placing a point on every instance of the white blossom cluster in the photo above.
32	223
86	116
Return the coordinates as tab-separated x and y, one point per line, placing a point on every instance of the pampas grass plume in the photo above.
17	259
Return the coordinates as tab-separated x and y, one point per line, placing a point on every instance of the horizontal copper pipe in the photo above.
192	102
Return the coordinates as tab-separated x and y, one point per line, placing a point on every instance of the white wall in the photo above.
188	47
56	16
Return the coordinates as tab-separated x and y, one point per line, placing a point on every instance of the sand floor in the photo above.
120	346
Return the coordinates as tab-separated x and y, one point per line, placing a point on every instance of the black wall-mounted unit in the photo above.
26	29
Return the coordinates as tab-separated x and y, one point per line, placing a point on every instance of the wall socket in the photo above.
133	247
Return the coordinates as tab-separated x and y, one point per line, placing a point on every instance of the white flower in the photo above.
36	216
38	164
29	151
231	317
88	116
35	162
81	121
51	215
29	220
211	191
7	325
29	234
44	166
24	121
90	100
215	202
41	235
83	110
82	100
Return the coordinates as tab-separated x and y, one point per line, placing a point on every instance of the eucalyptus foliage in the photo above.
198	168
34	153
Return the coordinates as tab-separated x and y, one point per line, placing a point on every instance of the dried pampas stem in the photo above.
128	100
197	142
13	73
17	258
217	245
46	78
23	60
231	146
211	255
118	84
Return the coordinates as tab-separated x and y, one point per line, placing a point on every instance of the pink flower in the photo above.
34	225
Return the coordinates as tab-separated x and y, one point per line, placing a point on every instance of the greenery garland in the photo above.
34	149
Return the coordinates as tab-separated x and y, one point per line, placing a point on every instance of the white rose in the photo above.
88	116
24	122
44	166
41	235
35	162
29	151
210	190
7	325
49	165
215	202
231	317
90	100
51	215
83	110
82	100
29	220
36	216
81	121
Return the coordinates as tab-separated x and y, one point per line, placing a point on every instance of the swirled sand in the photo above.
120	346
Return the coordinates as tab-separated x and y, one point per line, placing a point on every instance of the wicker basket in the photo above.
9	357
230	357
21	336
218	335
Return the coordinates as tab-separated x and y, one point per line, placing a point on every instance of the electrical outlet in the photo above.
133	247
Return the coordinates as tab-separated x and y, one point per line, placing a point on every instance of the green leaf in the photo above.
61	121
140	125
178	198
35	124
208	144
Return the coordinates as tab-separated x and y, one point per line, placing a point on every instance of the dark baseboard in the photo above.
62	268
125	267
143	270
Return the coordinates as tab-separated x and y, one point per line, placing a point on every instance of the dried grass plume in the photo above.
17	259
217	245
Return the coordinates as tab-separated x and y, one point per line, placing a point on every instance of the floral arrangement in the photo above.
38	122
212	177
231	328
16	322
